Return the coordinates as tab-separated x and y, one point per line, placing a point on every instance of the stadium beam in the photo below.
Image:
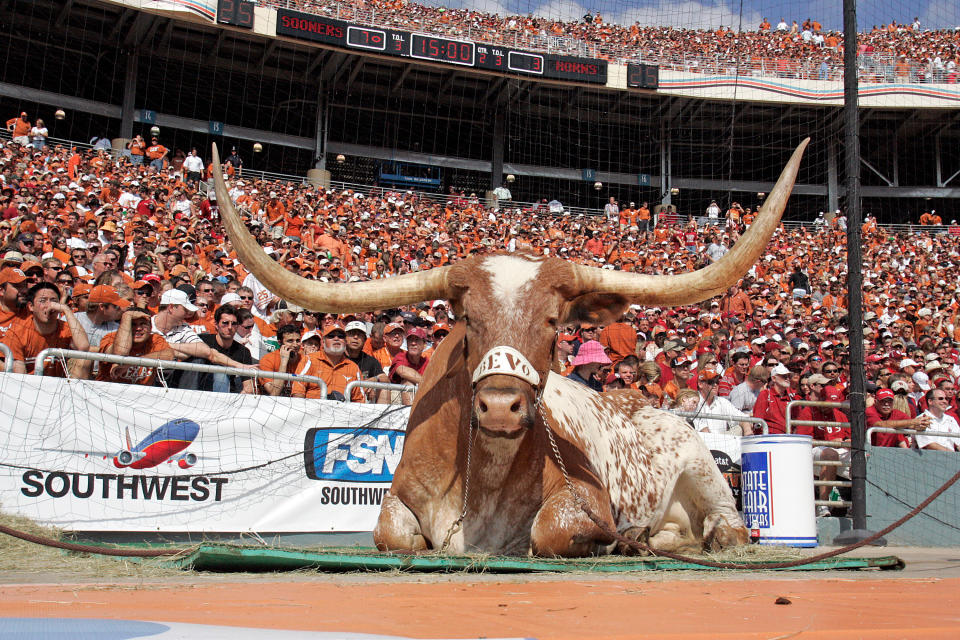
858	459
129	94
497	141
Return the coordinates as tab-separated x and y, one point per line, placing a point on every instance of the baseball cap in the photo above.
313	333
884	394
780	370
13	256
336	326
12	275
393	326
105	294
909	362
177	296
818	378
417	332
356	325
680	361
873	357
81	289
566	337
900	385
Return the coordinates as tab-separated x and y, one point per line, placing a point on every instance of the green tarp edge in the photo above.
229	558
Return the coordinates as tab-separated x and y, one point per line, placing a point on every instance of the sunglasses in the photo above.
830	370
337	335
246	297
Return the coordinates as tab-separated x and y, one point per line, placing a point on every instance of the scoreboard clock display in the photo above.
438	49
237	13
643	76
442	49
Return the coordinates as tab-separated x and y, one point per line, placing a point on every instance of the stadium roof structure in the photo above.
118	68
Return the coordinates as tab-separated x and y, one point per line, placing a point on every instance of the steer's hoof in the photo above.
639	534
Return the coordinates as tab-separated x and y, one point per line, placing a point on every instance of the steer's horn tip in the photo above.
216	154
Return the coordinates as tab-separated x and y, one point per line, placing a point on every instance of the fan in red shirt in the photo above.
882	414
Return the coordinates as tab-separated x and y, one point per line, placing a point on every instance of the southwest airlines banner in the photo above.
91	456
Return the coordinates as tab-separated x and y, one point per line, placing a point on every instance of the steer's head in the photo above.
512	304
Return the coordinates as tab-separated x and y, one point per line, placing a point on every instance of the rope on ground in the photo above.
85	548
639	546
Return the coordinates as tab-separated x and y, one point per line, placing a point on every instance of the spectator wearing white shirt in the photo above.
193	165
712	404
744	395
937	404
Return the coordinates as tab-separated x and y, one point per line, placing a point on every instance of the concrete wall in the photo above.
904	478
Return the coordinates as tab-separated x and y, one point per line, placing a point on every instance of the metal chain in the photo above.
458	523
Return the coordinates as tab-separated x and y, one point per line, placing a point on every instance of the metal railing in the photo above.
7	358
724	417
909	432
383	386
152	363
788	425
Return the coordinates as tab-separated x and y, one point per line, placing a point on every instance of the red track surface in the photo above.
445	607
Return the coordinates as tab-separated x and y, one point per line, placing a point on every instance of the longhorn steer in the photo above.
477	443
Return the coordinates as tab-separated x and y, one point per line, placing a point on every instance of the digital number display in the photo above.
238	13
305	26
364	38
643	76
526	62
441	49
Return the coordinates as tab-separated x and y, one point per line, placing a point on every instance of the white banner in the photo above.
203	8
91	456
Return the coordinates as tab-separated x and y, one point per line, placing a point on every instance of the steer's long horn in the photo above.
323	296
694	286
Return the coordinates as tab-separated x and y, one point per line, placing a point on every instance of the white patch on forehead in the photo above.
510	277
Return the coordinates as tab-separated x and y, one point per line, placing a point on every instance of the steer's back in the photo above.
638	451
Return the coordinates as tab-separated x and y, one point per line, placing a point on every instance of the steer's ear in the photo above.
595	308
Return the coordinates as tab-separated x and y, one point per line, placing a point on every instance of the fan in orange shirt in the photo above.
43	329
134	338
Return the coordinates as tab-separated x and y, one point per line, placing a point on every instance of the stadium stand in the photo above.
81	218
891	53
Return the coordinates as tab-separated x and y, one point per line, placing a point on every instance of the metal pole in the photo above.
851	134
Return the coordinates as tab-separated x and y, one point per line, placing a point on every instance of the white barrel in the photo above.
777	485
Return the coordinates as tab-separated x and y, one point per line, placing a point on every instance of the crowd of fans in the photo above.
895	52
103	254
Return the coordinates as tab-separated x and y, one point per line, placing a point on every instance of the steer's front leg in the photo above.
397	528
562	528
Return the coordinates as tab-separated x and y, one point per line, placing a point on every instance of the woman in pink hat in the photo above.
587	364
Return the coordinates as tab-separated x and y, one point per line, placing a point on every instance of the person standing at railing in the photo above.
19	129
43	329
13	298
882	414
136	146
157	154
38	135
133	338
940	421
333	367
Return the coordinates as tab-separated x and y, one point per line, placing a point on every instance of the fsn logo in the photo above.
370	455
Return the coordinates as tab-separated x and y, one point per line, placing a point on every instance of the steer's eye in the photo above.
552	322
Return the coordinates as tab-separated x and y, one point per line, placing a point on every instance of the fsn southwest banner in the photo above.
91	456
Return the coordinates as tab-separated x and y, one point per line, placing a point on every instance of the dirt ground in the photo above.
922	601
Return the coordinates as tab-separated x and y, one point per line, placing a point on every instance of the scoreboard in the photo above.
432	48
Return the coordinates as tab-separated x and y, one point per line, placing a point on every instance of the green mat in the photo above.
234	558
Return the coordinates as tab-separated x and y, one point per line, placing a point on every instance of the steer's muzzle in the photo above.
503	406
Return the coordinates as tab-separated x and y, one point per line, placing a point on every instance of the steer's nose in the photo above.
502	410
